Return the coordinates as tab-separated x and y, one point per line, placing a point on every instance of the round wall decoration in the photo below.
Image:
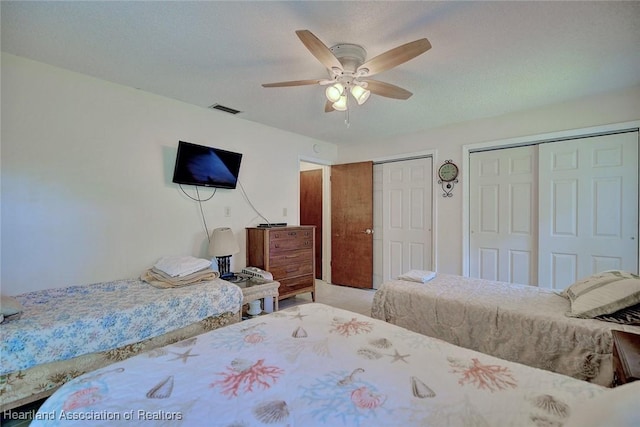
448	177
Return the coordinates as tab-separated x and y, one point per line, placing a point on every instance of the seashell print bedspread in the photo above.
346	369
58	324
520	323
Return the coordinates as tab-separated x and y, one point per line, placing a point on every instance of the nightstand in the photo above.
254	288
626	357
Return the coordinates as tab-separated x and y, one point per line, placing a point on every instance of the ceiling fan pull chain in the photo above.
346	114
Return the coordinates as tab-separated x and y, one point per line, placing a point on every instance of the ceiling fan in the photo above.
349	71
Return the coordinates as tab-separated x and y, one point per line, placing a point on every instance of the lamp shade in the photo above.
223	242
341	103
360	94
333	92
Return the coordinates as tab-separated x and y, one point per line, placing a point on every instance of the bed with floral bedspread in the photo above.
521	323
316	365
65	332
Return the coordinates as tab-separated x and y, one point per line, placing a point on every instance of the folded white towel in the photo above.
178	266
421	276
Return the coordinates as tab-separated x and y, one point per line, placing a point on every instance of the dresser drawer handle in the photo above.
292	256
292	233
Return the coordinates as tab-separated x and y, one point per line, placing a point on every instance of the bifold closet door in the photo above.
588	207
503	206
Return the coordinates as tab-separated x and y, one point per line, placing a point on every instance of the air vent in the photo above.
225	109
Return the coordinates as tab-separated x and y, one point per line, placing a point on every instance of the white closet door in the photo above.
588	207
377	226
503	204
406	216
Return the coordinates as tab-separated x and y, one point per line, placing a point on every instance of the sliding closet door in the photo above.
588	207
552	213
407	187
503	204
378	277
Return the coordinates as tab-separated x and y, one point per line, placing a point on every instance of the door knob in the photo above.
368	231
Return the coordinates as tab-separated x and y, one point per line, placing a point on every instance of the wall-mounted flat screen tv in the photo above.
206	166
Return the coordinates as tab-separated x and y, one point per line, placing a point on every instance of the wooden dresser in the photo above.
288	254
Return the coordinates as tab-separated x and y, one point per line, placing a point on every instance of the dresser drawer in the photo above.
295	256
294	284
287	234
277	245
284	271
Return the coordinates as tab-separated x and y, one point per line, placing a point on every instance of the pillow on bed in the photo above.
603	293
420	276
626	316
10	308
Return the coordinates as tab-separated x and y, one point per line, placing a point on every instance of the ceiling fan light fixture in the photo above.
340	104
334	92
360	94
347	65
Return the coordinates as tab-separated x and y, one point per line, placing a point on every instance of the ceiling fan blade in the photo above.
387	90
328	107
319	49
293	83
394	57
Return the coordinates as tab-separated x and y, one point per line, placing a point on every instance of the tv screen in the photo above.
206	166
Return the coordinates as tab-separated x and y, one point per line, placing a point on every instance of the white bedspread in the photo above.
58	324
525	324
314	365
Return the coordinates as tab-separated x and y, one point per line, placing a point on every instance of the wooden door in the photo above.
311	209
352	225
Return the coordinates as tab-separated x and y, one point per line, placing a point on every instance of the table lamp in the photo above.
222	245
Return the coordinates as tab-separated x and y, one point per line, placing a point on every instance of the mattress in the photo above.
90	321
520	323
40	381
315	365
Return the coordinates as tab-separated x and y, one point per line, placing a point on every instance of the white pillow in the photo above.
615	407
9	305
603	293
421	276
10	308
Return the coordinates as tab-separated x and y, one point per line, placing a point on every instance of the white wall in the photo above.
86	177
86	170
448	141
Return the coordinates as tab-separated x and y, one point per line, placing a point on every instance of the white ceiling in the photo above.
488	58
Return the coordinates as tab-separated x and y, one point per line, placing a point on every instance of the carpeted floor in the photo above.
352	299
